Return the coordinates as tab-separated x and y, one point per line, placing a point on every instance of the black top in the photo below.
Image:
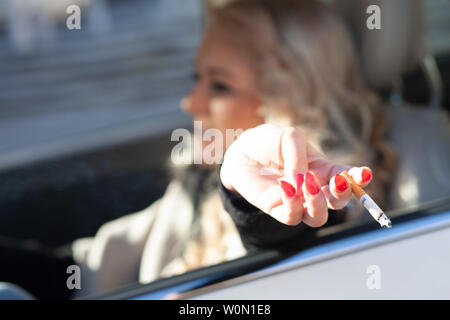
258	230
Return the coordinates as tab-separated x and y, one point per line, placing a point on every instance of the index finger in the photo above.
294	153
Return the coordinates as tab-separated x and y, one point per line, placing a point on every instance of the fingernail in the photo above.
288	189
299	178
311	184
366	175
340	183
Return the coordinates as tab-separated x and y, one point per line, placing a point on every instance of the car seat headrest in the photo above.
399	45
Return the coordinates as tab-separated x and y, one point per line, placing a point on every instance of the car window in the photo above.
90	104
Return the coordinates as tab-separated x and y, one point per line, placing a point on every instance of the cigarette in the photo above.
368	202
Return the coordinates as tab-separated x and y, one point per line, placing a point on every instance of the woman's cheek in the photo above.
235	113
224	114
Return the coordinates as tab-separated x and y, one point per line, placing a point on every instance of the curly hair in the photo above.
310	78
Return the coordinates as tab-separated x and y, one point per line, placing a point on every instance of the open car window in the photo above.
335	257
87	117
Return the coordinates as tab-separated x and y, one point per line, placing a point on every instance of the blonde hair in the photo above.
310	78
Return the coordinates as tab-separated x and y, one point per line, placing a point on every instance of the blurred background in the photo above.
86	115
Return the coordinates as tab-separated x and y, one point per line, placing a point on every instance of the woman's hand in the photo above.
275	169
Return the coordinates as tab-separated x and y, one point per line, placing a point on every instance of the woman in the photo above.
289	63
285	73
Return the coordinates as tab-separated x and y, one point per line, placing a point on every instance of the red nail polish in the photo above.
341	183
288	189
299	178
311	184
366	175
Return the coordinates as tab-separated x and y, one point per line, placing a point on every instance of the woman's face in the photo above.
225	94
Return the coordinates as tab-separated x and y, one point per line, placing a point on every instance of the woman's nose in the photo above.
186	103
195	103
